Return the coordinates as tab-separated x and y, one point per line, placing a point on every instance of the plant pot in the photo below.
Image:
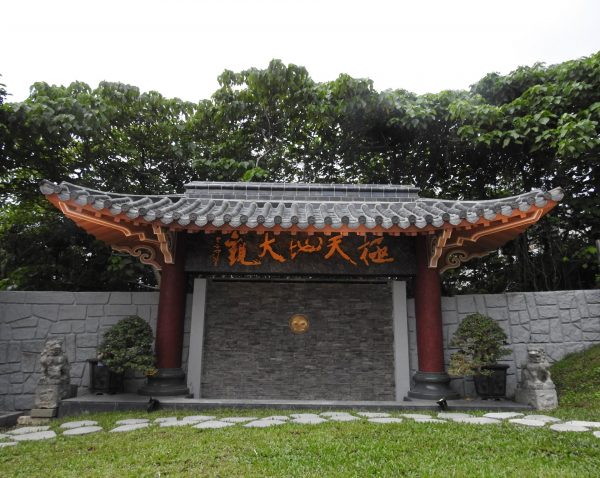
492	386
103	380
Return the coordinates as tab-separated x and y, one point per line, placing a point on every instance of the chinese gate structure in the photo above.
299	290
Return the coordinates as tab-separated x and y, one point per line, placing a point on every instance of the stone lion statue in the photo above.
536	387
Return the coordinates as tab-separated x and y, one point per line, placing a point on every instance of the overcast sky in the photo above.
179	47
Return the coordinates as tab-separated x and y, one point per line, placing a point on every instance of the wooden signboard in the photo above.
256	254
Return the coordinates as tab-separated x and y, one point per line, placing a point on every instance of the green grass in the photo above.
331	449
577	379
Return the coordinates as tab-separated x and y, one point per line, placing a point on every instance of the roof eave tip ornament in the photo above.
48	187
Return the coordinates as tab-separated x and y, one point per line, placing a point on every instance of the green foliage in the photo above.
577	378
537	126
479	340
128	345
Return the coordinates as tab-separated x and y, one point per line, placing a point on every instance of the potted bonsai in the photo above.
127	345
480	342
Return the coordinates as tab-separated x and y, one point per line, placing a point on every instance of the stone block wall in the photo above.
561	322
28	319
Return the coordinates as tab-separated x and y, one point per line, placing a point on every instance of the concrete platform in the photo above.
9	419
124	402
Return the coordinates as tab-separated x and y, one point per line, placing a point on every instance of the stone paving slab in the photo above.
416	416
7	443
82	430
165	419
597	434
238	419
373	414
582	423
35	436
264	423
81	423
503	415
129	427
26	430
303	415
385	420
334	414
429	420
543	418
281	418
453	415
178	423
528	423
198	418
132	421
309	420
477	420
213	424
343	418
564	427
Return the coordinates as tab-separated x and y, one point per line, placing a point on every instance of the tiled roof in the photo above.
300	205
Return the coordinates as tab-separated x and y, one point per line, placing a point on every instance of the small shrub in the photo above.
128	345
479	340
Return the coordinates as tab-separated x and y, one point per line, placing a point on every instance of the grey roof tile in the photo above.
202	205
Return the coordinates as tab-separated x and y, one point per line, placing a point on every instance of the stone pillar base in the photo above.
168	381
540	399
432	386
43	412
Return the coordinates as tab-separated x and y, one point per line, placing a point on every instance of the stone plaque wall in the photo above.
347	353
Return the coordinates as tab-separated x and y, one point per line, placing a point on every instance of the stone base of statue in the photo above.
536	388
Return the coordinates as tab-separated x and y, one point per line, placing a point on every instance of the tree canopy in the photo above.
535	127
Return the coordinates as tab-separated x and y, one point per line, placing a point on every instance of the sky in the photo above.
179	47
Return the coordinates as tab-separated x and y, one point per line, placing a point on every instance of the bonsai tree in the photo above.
479	340
128	345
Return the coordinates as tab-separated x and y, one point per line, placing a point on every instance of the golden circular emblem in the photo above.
299	323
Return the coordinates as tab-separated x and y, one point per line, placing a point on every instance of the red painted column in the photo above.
171	310
428	311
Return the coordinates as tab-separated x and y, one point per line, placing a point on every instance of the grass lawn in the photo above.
330	449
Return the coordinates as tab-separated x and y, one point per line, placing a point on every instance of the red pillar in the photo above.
171	311
431	382
170	379
428	311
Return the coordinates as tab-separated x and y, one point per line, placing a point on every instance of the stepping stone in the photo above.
280	418
580	423
213	424
564	427
309	420
180	423
452	415
543	418
82	423
25	430
303	415
238	419
477	420
7	443
334	414
35	436
596	434
528	423
82	430
129	428
429	420
503	415
415	416
264	423
373	414
133	421
165	420
385	420
197	418
2	435
343	418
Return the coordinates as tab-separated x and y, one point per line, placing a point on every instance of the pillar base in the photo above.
432	386
168	381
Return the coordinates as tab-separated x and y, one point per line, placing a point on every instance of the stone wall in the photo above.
28	319
250	351
561	322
